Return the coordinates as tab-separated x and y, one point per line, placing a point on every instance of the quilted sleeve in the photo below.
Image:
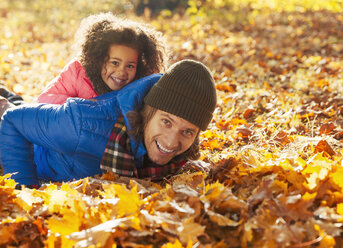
50	126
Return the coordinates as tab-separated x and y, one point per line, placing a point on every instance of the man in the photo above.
86	137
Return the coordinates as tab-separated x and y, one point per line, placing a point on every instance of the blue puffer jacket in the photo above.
66	142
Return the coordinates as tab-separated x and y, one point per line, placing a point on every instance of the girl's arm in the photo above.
50	126
72	82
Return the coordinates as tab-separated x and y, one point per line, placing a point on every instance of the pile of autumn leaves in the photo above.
266	195
275	146
235	205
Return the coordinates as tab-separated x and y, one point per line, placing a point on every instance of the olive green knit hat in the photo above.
186	90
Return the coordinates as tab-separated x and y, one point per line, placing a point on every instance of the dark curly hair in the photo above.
98	32
138	121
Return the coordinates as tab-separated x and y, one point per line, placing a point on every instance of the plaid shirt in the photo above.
118	158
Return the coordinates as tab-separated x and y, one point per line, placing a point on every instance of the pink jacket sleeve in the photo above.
72	82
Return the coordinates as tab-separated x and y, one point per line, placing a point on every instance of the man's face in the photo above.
166	136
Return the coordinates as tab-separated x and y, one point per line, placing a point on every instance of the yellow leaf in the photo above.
16	220
25	199
176	244
238	122
308	196
213	190
340	210
337	177
57	200
65	225
207	134
299	161
312	169
6	182
327	242
317	169
58	239
129	202
312	181
278	185
286	164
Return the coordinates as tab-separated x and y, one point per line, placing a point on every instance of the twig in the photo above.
308	243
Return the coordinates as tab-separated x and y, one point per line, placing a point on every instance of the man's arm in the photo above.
50	126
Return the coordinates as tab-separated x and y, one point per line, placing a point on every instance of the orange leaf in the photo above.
327	128
325	148
226	87
244	132
248	113
282	138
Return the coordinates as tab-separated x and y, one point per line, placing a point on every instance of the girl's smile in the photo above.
121	67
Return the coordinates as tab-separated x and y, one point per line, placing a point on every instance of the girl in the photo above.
113	53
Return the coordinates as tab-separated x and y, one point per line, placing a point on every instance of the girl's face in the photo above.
121	67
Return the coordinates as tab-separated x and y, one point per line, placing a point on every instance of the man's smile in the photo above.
163	149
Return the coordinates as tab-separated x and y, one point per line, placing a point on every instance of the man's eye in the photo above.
131	66
188	133
115	63
166	122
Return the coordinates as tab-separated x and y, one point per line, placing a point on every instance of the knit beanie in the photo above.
186	90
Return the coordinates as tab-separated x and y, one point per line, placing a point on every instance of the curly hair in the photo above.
138	121
98	32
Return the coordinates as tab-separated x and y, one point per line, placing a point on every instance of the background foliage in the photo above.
275	143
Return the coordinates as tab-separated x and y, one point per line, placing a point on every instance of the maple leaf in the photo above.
66	224
129	200
317	169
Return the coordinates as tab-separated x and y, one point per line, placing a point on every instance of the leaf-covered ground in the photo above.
275	142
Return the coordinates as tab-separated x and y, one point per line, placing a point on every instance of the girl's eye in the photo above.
131	66
115	63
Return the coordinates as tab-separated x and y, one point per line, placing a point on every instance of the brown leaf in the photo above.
282	138
221	220
244	132
324	147
248	113
327	128
226	87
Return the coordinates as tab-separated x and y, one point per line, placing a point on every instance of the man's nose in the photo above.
172	140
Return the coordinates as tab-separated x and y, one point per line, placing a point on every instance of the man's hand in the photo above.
197	165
